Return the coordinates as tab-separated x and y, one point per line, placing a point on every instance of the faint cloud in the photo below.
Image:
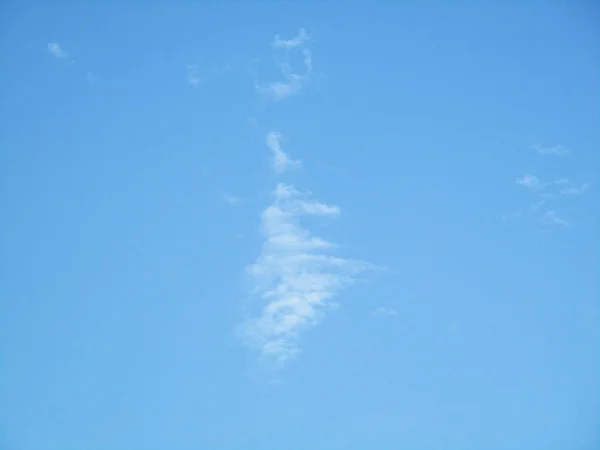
292	82
307	59
552	217
294	276
538	205
57	51
291	43
512	216
530	181
557	150
549	192
192	74
384	312
533	182
281	161
89	76
282	89
575	190
229	198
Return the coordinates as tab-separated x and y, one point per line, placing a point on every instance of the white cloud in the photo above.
229	198
281	161
530	181
282	89
307	59
384	312
192	75
293	82
553	218
295	277
291	43
557	150
55	49
575	190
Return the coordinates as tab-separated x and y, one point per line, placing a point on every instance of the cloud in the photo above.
192	75
292	82
228	198
530	181
553	218
281	161
56	50
556	150
280	89
384	312
291	43
295	277
307	59
575	190
533	182
512	216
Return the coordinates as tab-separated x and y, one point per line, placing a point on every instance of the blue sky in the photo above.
309	225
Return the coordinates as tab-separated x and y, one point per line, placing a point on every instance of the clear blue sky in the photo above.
299	225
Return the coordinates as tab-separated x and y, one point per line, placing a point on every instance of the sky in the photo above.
299	225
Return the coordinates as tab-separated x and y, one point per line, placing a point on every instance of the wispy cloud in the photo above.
557	150
229	198
575	190
192	75
293	82
59	53
553	218
530	181
281	160
533	182
300	38
384	312
282	89
549	192
56	50
295	276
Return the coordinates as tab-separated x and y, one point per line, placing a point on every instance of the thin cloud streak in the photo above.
281	160
530	181
295	277
548	192
557	150
229	198
533	182
384	312
575	190
553	218
293	82
291	43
